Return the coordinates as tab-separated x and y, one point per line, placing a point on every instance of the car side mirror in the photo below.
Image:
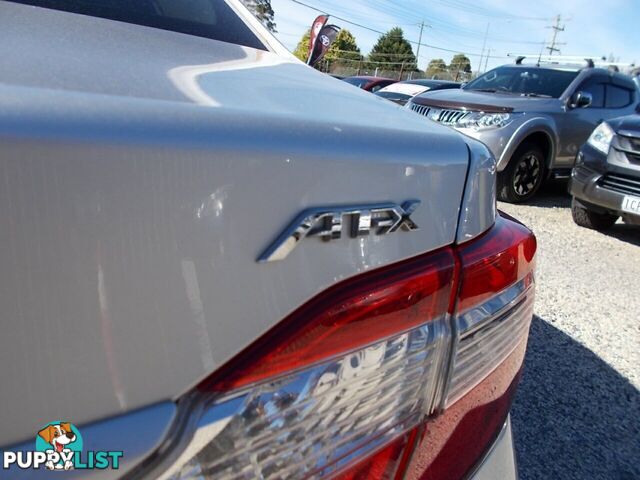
581	100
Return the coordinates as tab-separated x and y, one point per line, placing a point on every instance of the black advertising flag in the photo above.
316	28
323	42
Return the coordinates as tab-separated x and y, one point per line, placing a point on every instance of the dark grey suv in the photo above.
534	118
605	183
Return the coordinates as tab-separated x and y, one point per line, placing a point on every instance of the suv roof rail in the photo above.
585	61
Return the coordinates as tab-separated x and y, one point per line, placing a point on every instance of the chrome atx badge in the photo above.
330	223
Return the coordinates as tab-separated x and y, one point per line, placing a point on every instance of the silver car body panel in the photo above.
144	171
503	142
479	204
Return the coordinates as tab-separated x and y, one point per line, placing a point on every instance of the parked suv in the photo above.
219	263
534	118
605	182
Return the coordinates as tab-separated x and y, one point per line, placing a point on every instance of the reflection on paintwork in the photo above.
192	289
107	335
188	78
213	206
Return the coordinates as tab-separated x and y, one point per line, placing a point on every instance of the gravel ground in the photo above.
577	413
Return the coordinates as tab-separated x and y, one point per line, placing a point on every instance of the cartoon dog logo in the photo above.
59	436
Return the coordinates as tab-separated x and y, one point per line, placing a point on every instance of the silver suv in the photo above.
534	118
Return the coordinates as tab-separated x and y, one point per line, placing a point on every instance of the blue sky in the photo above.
592	27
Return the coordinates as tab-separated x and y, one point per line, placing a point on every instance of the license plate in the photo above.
631	204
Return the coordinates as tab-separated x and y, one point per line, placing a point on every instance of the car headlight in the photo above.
484	121
601	138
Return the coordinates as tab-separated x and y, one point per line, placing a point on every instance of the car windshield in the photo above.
212	19
540	82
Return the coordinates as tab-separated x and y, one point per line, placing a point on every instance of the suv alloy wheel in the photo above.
523	176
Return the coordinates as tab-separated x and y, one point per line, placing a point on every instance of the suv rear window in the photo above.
213	19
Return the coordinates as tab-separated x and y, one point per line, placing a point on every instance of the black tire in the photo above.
523	176
589	219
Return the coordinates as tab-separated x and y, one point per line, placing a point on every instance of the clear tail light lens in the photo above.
319	420
338	380
487	334
359	382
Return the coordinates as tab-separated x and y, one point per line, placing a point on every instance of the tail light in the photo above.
494	305
359	383
490	326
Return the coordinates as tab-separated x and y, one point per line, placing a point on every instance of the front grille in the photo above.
621	184
630	146
633	154
444	116
635	144
633	157
421	109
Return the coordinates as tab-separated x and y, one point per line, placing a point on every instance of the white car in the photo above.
402	92
219	263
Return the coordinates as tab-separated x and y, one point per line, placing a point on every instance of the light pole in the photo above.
484	45
420	40
422	25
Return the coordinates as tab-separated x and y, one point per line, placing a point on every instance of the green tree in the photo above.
263	11
460	65
302	49
436	68
392	49
344	47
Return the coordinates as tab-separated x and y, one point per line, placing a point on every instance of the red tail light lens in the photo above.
341	388
384	464
495	261
350	315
